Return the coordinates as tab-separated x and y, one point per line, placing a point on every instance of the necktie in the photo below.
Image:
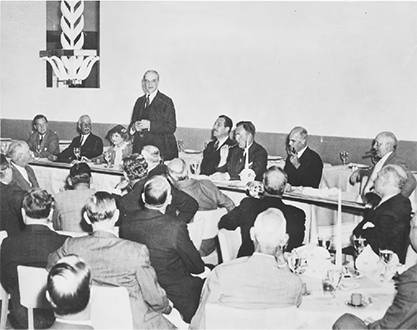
147	101
40	139
81	140
216	145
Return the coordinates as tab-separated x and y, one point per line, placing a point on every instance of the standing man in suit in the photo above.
216	153
31	247
385	146
153	119
244	215
23	174
42	141
303	165
118	262
90	145
262	280
173	254
69	292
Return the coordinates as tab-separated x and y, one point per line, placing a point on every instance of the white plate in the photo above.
192	151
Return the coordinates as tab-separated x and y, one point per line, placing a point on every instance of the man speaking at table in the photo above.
153	119
303	165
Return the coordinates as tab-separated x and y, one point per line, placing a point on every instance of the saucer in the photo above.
364	304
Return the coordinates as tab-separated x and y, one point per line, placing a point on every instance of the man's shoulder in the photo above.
51	134
162	96
258	147
286	208
311	153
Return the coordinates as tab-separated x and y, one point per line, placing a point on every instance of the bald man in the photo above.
262	280
385	146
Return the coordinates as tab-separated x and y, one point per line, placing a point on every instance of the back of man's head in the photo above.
269	231
135	166
394	176
37	204
68	286
177	170
100	207
152	155
80	173
156	192
275	180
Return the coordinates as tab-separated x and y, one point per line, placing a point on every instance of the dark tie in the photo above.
40	139
147	101
216	145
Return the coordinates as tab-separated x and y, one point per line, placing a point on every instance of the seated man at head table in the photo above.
118	262
42	141
216	152
69	204
402	314
31	247
23	174
303	166
262	280
11	198
385	147
238	162
205	192
68	290
244	215
135	167
89	144
172	253
388	224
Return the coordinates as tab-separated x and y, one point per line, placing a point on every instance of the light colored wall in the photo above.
338	68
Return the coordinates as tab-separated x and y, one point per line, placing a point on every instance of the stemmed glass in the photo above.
344	155
325	242
359	244
77	153
107	158
385	255
331	283
296	261
194	167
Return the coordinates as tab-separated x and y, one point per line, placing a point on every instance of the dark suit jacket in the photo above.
92	147
309	173
258	159
50	143
245	214
211	158
392	226
20	181
393	159
173	255
11	205
161	114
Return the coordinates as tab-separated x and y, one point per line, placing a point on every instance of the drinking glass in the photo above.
325	242
331	283
385	255
77	153
107	158
181	145
359	244
194	167
295	263
344	155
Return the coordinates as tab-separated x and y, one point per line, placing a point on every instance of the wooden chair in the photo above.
230	242
4	296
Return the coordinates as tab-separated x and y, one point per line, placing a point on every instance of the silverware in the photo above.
370	300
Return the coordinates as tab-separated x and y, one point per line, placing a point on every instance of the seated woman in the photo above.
121	147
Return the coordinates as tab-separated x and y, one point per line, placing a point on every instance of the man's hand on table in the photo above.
355	177
52	158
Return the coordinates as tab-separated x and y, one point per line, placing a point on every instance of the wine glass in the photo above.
77	153
325	242
107	158
194	167
359	244
385	255
331	283
344	155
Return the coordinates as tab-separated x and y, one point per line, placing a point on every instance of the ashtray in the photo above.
362	305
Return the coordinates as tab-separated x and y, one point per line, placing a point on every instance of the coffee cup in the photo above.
356	299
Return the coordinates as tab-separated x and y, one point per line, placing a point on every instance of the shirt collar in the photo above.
84	322
152	96
264	255
222	140
300	153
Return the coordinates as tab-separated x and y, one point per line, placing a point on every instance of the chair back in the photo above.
224	317
4	296
204	225
110	308
230	242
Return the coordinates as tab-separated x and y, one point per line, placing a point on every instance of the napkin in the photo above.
324	192
318	260
369	263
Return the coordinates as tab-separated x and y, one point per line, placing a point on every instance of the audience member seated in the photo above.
23	174
69	292
205	192
135	167
402	314
69	204
90	145
385	147
216	153
244	215
120	148
257	158
31	247
303	166
388	225
155	162
118	262
42	141
172	253
11	197
262	280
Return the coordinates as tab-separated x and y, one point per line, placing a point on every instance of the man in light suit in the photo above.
153	119
118	262
69	292
262	280
23	174
385	146
90	145
42	141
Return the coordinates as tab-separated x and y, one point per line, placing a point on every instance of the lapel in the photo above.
19	179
